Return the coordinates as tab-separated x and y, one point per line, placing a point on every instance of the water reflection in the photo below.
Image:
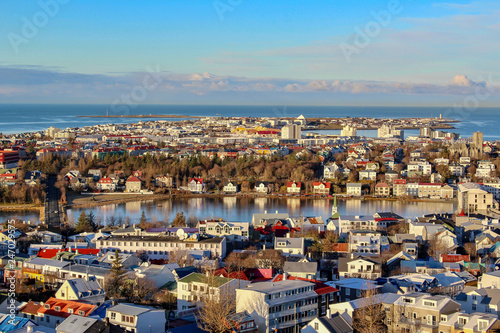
242	209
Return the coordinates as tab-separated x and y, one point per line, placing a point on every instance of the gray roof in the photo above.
47	262
76	324
290	242
84	288
275	287
301	267
88	269
130	309
343	262
336	324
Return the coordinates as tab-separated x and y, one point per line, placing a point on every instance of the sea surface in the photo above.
242	209
19	118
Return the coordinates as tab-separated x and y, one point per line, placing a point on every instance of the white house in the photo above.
230	187
354	189
137	318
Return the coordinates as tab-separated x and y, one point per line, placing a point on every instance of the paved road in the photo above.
52	211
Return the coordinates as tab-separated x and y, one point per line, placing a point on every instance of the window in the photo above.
474	307
316	326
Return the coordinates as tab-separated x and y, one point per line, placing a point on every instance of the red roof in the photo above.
319	287
340	247
65	306
327	185
105	180
51	253
289	184
197	180
455	257
133	179
233	275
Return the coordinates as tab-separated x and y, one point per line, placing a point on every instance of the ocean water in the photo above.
18	118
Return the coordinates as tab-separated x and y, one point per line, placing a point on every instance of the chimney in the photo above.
285	276
328	313
107	321
265	212
264	247
287	235
276	212
29	329
352	255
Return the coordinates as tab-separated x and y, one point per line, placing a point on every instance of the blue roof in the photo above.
101	310
10	324
494	246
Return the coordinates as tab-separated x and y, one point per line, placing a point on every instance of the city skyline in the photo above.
394	53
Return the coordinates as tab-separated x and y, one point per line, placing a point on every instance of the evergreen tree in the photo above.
83	223
143	218
179	220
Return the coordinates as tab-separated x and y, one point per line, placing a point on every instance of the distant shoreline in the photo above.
143	116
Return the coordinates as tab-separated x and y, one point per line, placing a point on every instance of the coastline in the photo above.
143	116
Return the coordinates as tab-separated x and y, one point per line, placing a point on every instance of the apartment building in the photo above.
469	323
283	306
194	287
158	247
348	223
354	189
364	242
472	197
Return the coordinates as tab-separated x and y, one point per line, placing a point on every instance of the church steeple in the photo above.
335	209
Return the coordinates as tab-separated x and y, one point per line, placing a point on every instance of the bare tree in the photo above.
215	306
369	317
270	259
181	257
436	247
143	288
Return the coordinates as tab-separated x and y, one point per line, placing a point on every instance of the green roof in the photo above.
216	281
170	286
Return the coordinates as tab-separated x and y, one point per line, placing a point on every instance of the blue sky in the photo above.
250	51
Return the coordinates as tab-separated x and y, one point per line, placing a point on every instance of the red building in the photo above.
8	159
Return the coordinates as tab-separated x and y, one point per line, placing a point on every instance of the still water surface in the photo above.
242	209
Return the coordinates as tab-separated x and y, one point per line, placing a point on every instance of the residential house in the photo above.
127	260
231	187
382	190
330	170
137	318
399	187
486	300
85	290
133	184
262	187
336	323
233	231
164	181
302	269
287	245
367	175
54	311
106	184
293	187
354	189
360	267
355	288
321	188
196	185
78	324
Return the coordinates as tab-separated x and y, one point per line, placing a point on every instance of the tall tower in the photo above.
477	142
335	209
